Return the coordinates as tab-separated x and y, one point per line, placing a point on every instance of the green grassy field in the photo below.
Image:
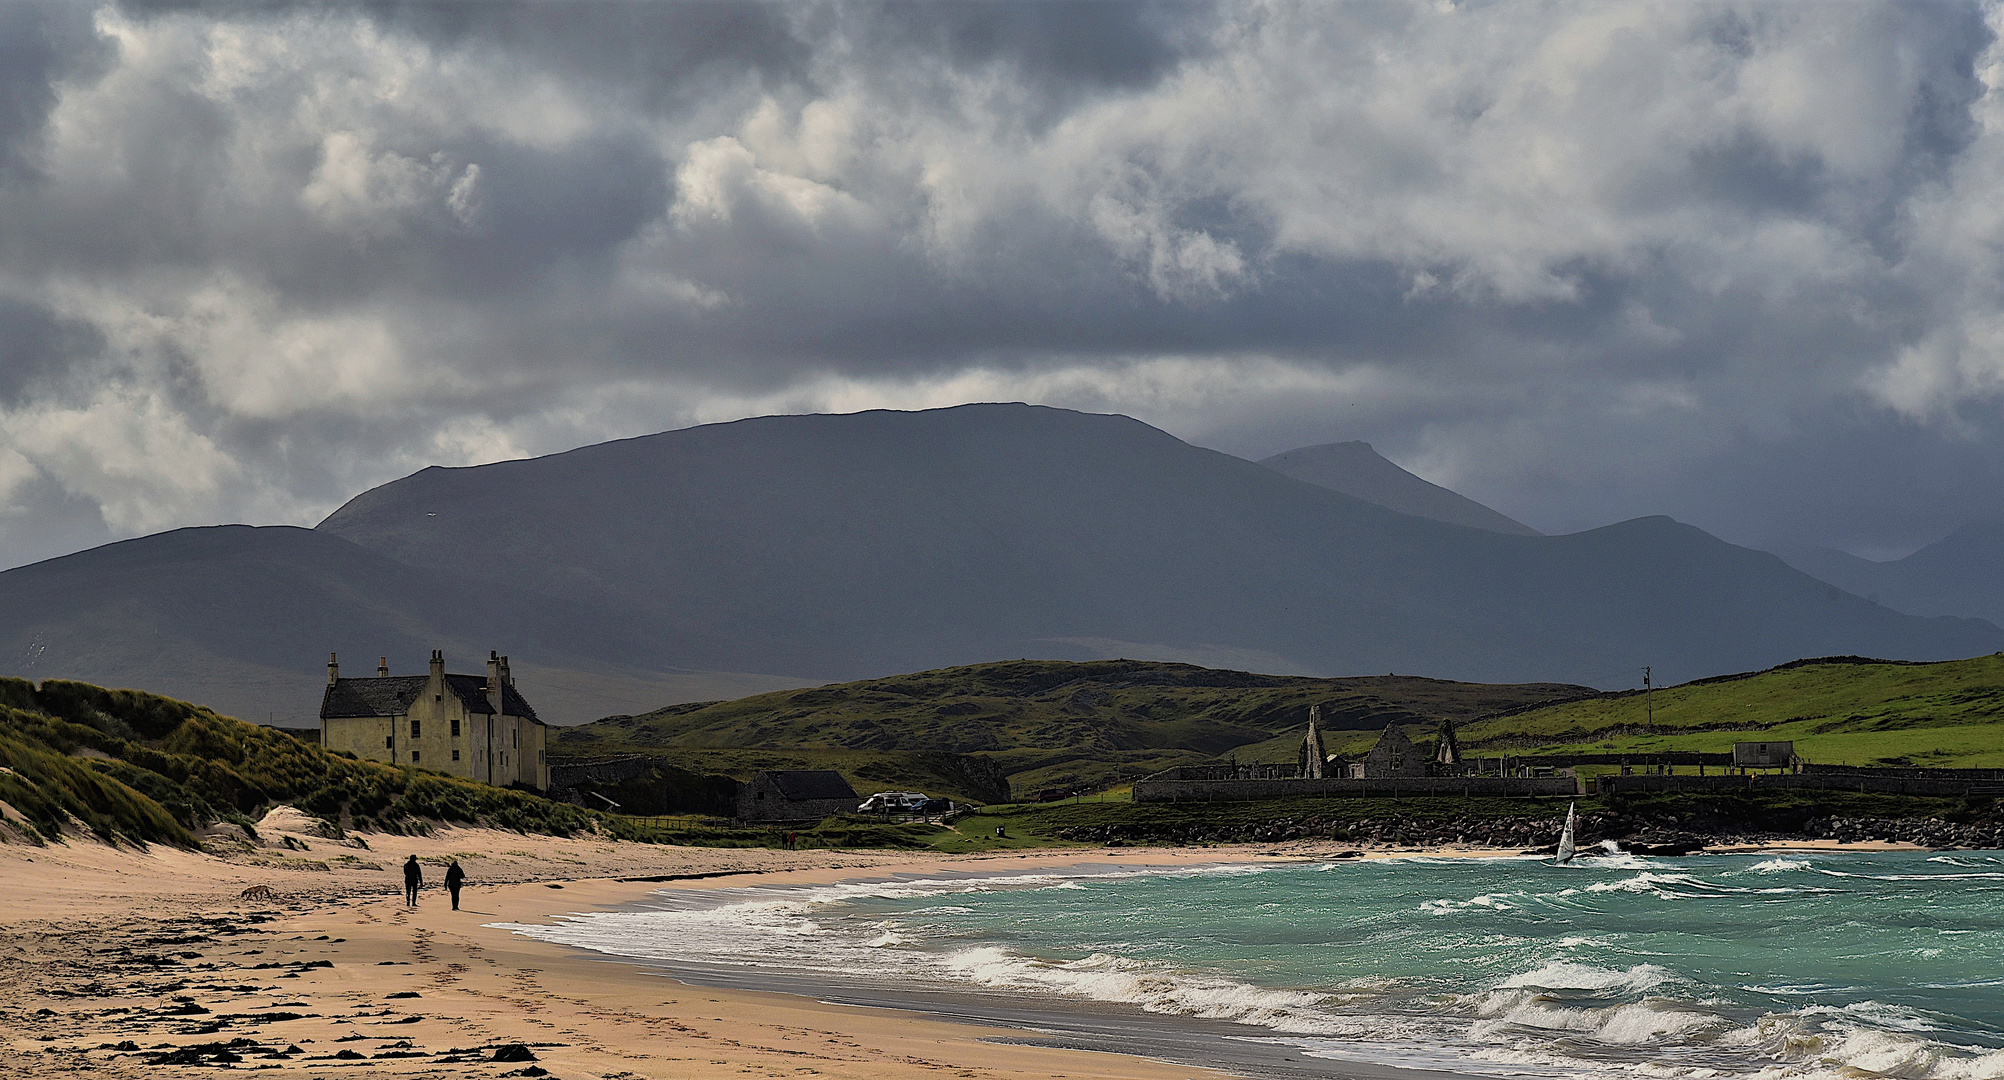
1043	724
1948	714
966	778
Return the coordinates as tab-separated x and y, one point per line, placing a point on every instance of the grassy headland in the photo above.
976	732
1842	710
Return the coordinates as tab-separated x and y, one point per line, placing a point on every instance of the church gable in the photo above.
1394	755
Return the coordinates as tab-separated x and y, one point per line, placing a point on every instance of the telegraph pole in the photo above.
1648	707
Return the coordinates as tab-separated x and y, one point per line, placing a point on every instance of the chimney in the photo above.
507	675
494	675
383	668
438	664
333	669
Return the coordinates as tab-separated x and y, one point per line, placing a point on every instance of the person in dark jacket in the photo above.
413	877
454	878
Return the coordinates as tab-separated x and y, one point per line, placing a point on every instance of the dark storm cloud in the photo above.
39	346
39	45
1735	262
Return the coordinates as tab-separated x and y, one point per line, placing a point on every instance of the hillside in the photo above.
842	547
1355	469
788	551
244	618
1956	575
1838	711
1047	723
139	768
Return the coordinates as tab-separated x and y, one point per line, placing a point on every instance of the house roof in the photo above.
392	695
801	785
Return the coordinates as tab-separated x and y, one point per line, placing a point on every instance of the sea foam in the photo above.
1515	967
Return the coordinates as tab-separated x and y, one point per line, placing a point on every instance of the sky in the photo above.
1742	264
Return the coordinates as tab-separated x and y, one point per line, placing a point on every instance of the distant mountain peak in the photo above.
1357	470
728	559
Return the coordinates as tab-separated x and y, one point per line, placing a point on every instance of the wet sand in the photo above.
113	960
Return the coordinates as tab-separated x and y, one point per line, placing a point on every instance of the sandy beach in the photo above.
114	959
117	962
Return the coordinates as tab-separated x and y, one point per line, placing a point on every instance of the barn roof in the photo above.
392	695
802	785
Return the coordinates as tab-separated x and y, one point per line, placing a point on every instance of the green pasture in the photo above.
1948	714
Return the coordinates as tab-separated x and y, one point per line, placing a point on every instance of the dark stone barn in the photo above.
795	795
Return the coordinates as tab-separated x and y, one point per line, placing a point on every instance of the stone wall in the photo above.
1905	772
794	810
569	774
1156	789
1805	781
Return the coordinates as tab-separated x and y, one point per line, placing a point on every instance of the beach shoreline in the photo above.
115	959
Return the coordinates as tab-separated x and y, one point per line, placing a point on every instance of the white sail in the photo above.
1566	837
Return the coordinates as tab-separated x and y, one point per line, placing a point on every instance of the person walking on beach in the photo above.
413	877
454	878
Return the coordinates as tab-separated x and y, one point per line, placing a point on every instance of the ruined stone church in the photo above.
464	725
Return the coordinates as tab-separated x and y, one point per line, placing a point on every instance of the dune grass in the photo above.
131	766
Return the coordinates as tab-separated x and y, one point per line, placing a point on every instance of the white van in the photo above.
894	802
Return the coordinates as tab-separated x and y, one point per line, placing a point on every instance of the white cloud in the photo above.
1955	259
370	191
719	174
251	356
15	472
129	451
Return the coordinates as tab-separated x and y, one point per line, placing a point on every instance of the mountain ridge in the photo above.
931	538
1356	469
723	560
1956	575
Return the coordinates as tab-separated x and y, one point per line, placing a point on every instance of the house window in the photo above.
414	755
455	755
389	742
414	729
455	727
542	757
516	735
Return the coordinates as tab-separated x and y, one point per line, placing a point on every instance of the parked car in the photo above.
894	802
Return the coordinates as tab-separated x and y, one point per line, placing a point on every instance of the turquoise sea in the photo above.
1852	964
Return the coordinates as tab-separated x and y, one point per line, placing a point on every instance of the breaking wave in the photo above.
1774	968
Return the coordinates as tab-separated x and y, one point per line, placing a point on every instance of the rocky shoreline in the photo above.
1640	833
